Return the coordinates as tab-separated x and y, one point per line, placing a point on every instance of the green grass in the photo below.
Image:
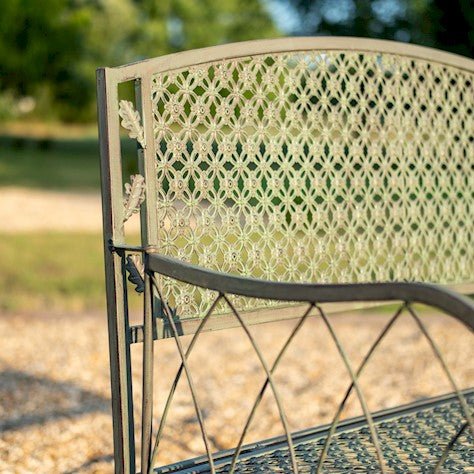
55	164
53	272
41	272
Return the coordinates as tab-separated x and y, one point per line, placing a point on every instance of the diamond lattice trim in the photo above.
315	166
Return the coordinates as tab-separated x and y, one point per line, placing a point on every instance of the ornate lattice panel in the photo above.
316	166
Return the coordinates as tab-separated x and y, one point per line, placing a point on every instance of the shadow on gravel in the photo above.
27	400
99	459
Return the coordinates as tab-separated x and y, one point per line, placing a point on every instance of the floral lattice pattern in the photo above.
316	166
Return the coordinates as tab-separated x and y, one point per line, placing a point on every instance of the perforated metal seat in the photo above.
411	437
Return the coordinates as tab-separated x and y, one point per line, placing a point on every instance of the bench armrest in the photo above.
460	307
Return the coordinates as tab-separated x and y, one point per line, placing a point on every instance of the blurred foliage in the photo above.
39	42
443	24
50	49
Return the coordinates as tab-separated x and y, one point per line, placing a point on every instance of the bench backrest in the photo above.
310	159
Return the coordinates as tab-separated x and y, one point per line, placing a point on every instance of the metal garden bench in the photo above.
291	171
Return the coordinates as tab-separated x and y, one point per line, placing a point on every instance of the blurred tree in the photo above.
39	42
453	26
445	24
173	25
50	49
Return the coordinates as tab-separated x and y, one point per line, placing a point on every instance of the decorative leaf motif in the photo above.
136	271
131	121
135	195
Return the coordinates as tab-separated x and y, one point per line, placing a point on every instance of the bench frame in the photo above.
116	249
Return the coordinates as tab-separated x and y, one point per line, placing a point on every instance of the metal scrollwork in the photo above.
136	272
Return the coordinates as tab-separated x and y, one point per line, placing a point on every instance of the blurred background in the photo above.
53	367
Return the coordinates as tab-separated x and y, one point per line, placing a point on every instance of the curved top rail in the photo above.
280	45
446	300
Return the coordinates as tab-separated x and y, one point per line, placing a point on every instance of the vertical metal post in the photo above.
149	234
147	383
147	161
112	204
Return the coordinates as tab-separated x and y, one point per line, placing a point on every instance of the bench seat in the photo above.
412	437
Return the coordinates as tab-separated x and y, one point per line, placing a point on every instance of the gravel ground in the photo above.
54	385
43	210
